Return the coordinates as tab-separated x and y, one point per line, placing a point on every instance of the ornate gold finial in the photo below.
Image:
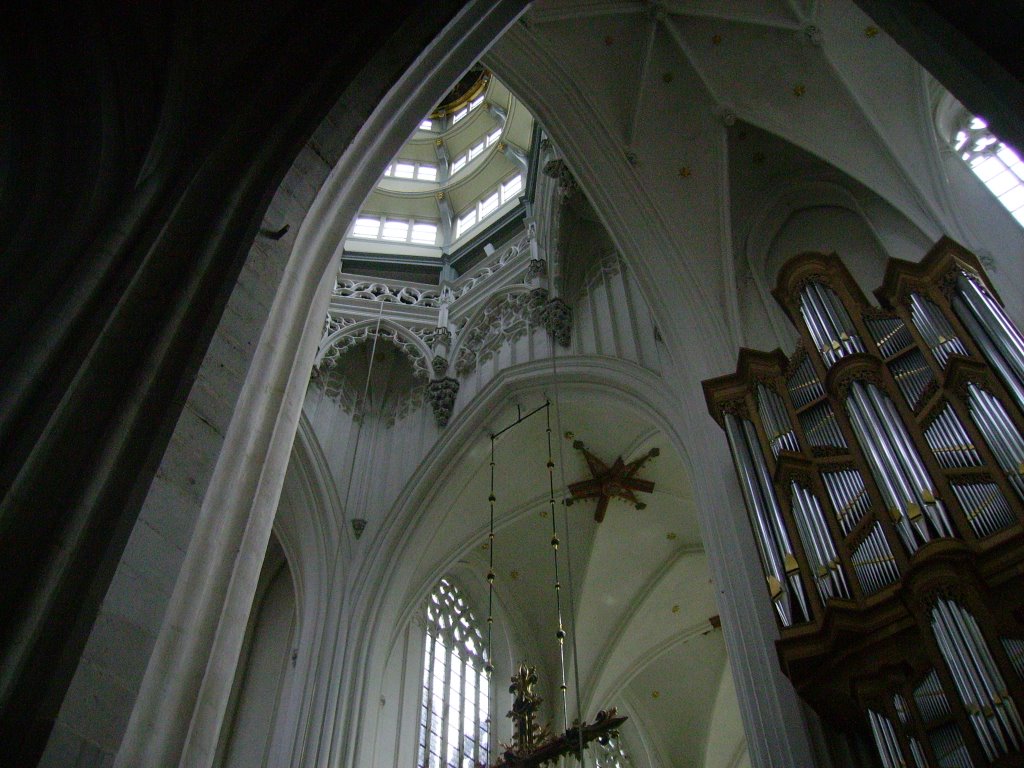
527	735
533	745
440	195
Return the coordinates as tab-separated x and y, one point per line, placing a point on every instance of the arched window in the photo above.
456	704
994	163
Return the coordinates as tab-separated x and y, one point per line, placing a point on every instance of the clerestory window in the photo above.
454	729
996	164
488	204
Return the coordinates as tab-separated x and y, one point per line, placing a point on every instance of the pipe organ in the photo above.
882	468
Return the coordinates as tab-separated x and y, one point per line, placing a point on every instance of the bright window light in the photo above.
459	115
427	125
465	222
475	151
455	702
489	205
424	233
493	136
366	227
426	172
996	164
395	229
404	170
476	102
511	188
459	164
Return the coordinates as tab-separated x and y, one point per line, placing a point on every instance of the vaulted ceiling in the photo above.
643	597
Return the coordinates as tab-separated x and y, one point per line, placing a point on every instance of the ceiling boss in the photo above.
618	481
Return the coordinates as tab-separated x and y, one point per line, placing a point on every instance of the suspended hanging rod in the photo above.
518	421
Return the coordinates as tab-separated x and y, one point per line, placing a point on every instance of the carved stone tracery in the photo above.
503	319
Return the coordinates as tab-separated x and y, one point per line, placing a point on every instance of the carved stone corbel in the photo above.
442	393
557	319
440	365
559	171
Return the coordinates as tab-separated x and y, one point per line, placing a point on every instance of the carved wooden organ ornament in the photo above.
882	467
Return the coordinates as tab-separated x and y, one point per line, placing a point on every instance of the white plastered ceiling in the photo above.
642	592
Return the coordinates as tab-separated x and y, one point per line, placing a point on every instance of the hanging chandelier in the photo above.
533	744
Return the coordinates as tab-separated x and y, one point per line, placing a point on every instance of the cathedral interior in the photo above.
658	358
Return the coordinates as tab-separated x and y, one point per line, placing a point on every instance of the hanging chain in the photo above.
560	634
490	567
489	664
568	552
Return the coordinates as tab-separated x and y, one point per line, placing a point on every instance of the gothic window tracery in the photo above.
454	730
992	161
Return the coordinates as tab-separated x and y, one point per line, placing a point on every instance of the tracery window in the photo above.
996	164
455	706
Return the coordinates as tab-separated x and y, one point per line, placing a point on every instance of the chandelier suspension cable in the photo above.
560	633
568	549
489	664
362	405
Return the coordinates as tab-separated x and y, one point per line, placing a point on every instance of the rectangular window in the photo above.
493	136
426	172
404	170
366	227
424	233
459	115
488	205
511	188
427	125
476	102
475	151
465	222
395	229
458	165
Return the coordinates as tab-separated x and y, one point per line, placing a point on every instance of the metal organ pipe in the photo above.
935	329
916	337
982	689
990	351
999	432
779	524
881	468
896	461
993	319
754	497
772	410
818	544
934	508
828	322
885	740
